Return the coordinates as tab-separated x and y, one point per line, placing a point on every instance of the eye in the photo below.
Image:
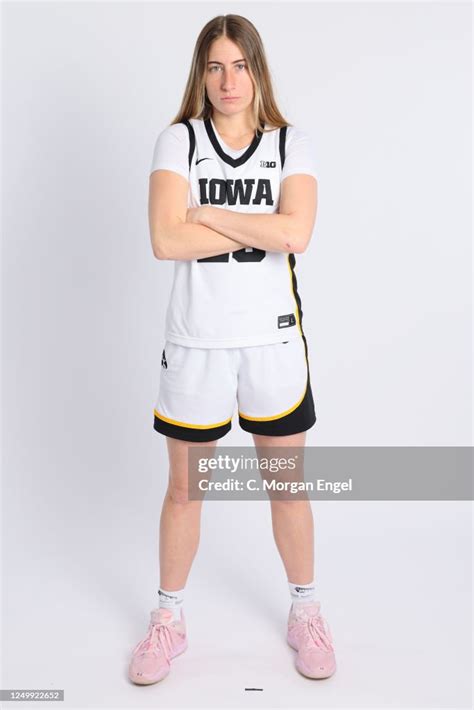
217	66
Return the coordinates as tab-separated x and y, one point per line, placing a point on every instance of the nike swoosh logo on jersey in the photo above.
201	159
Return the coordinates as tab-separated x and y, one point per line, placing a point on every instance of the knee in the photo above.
290	506
178	493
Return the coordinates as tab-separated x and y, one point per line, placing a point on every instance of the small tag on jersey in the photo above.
163	361
286	321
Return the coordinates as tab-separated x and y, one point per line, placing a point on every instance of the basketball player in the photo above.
233	196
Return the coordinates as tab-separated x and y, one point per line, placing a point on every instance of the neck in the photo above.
235	127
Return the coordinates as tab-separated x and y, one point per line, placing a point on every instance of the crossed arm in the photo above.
179	233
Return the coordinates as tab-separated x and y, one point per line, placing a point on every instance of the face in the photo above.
227	75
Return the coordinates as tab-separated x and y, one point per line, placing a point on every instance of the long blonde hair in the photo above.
238	29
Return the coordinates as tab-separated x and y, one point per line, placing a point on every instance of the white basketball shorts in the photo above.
199	388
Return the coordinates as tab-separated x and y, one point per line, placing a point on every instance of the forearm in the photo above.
272	232
188	241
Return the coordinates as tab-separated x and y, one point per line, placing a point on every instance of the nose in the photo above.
227	80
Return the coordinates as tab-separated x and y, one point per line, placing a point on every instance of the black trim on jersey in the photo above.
304	416
234	162
282	145
294	286
192	141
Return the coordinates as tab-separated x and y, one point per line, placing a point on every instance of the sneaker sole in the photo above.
308	674
145	681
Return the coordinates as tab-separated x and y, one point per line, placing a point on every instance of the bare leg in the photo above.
292	522
180	520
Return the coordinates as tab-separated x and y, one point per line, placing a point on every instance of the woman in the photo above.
233	196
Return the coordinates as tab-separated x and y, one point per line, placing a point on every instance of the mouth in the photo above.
230	98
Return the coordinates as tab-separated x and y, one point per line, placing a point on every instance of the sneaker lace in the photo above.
158	639
318	634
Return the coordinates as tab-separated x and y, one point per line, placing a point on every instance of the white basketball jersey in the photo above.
247	297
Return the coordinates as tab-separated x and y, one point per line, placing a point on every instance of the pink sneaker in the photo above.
309	634
165	640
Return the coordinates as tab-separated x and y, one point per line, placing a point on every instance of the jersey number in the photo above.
245	254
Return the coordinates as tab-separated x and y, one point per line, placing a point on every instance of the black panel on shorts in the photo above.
188	434
300	419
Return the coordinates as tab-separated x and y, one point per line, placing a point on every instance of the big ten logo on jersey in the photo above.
268	164
246	191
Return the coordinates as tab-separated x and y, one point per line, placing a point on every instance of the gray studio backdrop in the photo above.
384	91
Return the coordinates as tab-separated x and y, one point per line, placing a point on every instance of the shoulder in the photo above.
171	150
176	132
299	153
295	134
297	140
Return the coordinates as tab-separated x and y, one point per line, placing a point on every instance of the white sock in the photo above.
171	600
302	592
